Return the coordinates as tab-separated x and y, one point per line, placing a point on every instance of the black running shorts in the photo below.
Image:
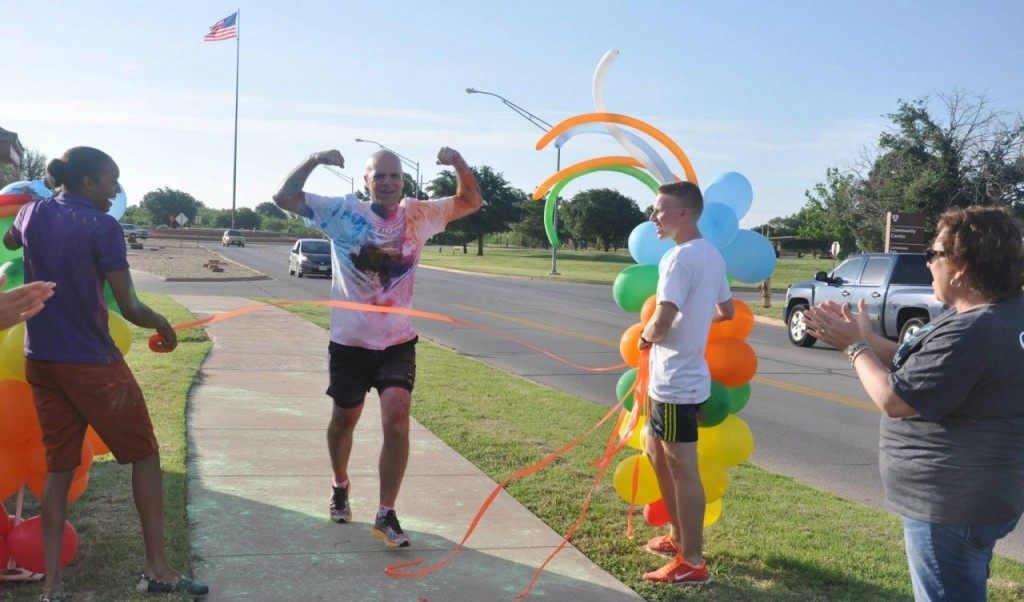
674	422
355	370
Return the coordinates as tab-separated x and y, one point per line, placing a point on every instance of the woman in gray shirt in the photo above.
951	447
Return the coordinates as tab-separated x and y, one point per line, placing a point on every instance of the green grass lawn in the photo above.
777	539
110	553
583	266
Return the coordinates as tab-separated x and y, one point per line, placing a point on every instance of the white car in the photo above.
130	229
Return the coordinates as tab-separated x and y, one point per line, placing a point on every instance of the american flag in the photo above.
223	30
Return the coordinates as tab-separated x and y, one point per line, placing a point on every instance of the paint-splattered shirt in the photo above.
374	261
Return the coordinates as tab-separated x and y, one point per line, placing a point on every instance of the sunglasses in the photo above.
931	254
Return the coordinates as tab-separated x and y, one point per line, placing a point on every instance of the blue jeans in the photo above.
950	562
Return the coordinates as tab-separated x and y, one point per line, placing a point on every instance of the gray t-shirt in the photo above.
961	459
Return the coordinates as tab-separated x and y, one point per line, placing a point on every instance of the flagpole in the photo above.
234	169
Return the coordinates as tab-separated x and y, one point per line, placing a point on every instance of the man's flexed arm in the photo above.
290	196
467	192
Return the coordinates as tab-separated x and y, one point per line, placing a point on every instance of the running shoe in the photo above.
680	572
387	529
662	545
340	510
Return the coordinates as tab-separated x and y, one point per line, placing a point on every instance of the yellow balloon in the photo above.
5	374
713	477
120	331
712	512
647	489
12	352
731	441
636	440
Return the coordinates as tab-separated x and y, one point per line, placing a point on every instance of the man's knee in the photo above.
345	419
394	407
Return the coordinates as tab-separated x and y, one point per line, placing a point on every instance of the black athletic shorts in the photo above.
674	422
354	370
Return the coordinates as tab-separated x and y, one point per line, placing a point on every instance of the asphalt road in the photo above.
810	417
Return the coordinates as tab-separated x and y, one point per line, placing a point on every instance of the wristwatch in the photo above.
854	348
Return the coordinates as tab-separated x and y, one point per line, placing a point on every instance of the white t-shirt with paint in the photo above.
374	262
692	277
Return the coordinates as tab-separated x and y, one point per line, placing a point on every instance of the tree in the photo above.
270	209
602	214
531	228
502	207
165	204
972	155
33	167
135	214
246	219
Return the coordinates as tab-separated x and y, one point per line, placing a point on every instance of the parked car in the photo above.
136	230
897	288
310	256
232	237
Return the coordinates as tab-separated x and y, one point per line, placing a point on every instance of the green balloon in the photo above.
108	296
552	201
15	271
738	397
625	384
634	285
5	253
716	408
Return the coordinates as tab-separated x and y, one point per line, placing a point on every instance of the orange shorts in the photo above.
68	397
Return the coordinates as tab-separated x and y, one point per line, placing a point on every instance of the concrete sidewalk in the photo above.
259	485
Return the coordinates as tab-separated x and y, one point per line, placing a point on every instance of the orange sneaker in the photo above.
680	572
662	545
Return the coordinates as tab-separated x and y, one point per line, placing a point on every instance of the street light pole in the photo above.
405	160
350	180
544	126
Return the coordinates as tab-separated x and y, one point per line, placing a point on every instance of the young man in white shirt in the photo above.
692	293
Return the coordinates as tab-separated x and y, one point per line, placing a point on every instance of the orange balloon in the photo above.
732	361
628	345
13	469
36	455
647	311
739	327
18	419
98	446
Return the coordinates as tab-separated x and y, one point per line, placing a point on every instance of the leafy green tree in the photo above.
165	204
531	228
135	214
33	167
270	209
246	218
602	214
502	207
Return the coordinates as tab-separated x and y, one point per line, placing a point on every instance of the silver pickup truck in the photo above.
897	288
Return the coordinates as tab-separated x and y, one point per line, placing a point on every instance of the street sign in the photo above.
904	232
835	248
182	219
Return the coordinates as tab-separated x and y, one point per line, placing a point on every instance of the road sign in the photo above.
904	232
182	219
835	248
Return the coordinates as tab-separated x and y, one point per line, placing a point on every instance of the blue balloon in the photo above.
644	245
718	224
36	188
750	258
119	204
731	189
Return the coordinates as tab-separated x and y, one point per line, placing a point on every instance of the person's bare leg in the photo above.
394	454
339	438
54	511
667	485
682	463
148	490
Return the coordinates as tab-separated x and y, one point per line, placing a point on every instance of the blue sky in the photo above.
778	91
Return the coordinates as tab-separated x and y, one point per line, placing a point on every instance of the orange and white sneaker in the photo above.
662	545
680	572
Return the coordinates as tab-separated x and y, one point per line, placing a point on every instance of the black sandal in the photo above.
148	585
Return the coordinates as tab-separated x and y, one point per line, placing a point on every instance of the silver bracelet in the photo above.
853	349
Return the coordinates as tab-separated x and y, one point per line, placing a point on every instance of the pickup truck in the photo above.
897	288
130	229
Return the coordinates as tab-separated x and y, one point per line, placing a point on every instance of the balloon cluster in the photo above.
724	439
22	455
